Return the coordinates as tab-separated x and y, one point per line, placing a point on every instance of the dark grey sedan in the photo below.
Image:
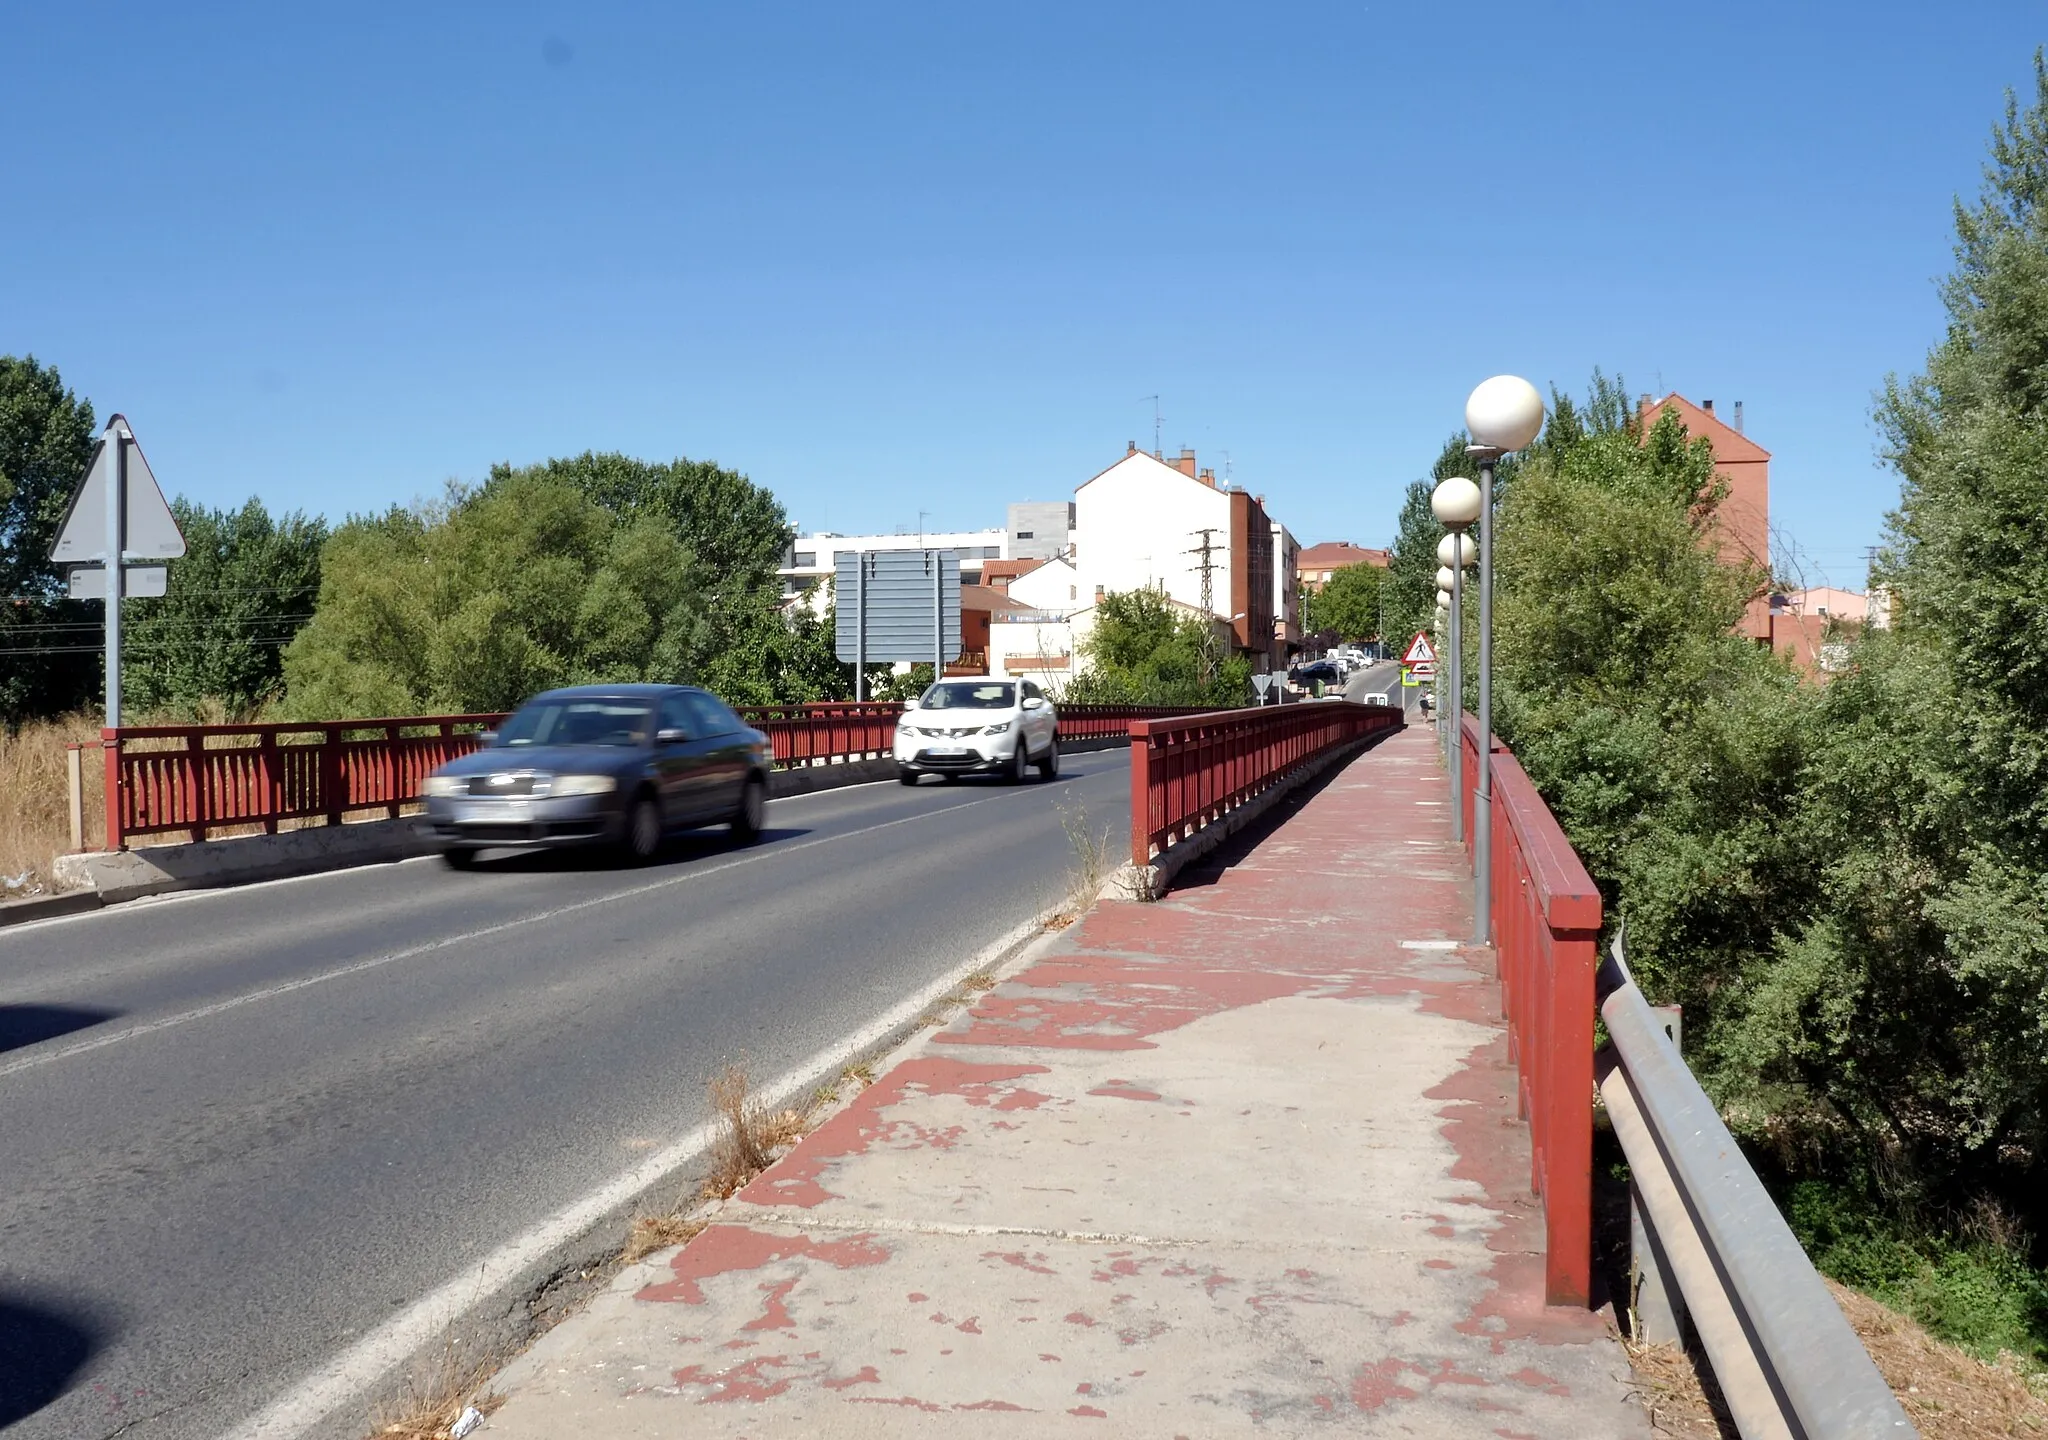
618	765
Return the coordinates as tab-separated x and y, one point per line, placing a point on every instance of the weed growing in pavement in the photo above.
658	1232
748	1136
435	1395
983	981
1094	857
860	1071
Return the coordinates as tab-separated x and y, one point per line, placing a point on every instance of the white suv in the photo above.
984	725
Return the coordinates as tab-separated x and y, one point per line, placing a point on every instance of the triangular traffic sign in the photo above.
149	531
1420	651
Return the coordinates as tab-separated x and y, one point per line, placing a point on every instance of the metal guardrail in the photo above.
1710	1244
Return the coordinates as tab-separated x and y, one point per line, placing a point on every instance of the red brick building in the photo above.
1743	522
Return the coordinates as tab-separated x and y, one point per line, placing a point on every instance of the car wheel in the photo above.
1020	765
747	821
1049	764
905	776
458	859
643	830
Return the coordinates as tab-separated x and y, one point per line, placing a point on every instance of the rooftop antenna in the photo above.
920	527
1226	469
1158	449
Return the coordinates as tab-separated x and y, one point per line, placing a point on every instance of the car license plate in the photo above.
491	812
949	750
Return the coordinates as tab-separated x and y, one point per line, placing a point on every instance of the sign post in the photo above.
119	498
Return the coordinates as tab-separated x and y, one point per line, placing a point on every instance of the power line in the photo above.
146	623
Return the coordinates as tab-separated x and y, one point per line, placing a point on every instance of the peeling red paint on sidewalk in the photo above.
1237	1162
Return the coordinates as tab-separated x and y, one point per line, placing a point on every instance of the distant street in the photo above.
244	1127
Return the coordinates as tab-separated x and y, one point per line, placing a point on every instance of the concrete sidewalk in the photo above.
1242	1162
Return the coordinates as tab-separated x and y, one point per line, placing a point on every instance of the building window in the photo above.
991	552
806	559
1026	535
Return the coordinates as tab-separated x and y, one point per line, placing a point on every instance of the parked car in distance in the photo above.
982	725
1326	671
618	765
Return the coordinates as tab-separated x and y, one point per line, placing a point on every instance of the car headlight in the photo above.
583	785
998	728
443	785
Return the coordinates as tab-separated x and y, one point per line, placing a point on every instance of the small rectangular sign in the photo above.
143	582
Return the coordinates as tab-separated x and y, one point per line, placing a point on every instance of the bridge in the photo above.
1281	1149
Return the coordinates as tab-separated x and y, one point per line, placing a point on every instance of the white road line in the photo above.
356	967
314	1397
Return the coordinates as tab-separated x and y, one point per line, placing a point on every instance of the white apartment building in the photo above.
814	557
1149	521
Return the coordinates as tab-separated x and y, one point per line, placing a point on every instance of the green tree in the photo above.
736	529
245	588
523	584
1349	603
1914	1000
49	657
1144	650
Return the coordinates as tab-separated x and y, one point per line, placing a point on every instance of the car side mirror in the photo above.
670	736
910	704
485	739
1032	702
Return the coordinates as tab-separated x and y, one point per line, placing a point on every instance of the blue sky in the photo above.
921	257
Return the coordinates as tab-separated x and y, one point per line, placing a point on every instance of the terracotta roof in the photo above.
1336	554
1007	569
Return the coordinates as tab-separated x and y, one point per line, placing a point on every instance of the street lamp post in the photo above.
1455	504
1502	414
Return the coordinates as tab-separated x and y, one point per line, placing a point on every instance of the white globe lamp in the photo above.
1445	578
1504	413
1456	550
1443	599
1455	503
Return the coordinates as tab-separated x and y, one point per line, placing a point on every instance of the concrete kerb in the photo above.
1151	882
504	1317
105	877
48	907
901	1046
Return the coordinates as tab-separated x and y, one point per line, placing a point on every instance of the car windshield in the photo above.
970	696
585	720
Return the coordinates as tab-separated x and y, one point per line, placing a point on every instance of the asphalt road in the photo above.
241	1129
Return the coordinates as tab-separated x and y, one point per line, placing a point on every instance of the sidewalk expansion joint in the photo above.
881	1225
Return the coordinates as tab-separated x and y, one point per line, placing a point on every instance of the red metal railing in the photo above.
1546	929
1187	773
163	779
1096	722
834	730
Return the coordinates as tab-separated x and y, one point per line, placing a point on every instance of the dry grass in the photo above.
979	983
1094	859
658	1232
35	825
861	1073
749	1136
1948	1393
435	1396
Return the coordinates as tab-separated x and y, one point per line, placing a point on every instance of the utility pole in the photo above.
1207	550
